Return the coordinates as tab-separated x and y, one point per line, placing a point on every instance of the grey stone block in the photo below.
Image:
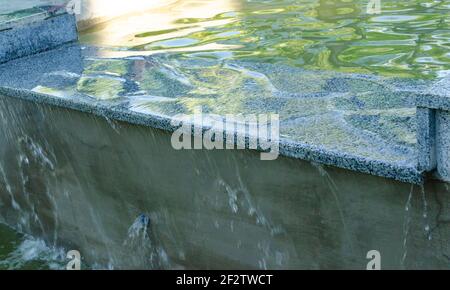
426	139
443	144
37	34
433	131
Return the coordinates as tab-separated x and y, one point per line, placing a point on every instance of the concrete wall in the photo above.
82	181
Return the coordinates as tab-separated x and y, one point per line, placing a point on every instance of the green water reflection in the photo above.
408	38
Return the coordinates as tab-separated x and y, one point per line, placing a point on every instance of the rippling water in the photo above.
408	38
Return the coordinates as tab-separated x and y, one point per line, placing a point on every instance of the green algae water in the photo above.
404	38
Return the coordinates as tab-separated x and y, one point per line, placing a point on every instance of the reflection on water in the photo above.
408	38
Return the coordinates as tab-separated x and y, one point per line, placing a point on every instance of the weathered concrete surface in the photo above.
81	181
36	34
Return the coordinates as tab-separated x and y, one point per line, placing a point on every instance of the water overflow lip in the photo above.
288	148
349	149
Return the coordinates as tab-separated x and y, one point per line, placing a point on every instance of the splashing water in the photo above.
37	152
138	231
23	252
240	199
37	157
147	251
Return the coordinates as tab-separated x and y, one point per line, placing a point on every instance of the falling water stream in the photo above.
425	213
406	226
408	217
334	191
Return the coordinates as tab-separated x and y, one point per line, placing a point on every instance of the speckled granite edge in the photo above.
433	115
288	148
26	20
311	153
433	101
37	34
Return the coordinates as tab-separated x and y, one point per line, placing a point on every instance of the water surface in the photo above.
407	38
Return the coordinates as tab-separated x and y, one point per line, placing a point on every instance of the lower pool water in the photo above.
23	252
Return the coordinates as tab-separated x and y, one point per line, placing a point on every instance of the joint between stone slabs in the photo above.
426	139
433	134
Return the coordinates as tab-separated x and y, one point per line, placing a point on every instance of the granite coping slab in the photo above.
357	120
54	77
288	148
433	132
437	97
35	30
13	14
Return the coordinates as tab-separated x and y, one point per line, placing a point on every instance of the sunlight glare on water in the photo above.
408	38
